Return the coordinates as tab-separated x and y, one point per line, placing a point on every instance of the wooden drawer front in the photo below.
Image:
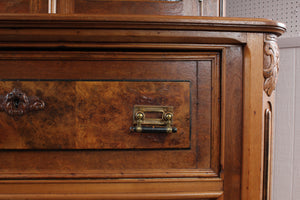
84	129
93	114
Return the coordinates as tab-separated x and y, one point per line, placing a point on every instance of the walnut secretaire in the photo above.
133	107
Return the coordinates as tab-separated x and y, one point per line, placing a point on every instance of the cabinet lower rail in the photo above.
111	189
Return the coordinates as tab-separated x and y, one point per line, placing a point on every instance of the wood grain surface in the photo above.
94	115
15	6
172	78
148	189
23	6
214	62
233	124
254	114
129	7
139	7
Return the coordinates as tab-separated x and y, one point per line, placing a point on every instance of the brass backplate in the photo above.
148	110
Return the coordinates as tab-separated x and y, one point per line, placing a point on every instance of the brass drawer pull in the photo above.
17	103
144	124
153	130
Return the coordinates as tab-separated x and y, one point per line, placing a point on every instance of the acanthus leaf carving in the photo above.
271	63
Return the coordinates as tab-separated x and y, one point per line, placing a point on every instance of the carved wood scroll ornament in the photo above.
271	63
16	103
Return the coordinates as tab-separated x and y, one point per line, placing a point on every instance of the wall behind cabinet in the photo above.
286	168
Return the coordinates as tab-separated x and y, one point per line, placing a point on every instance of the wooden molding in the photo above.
141	22
112	189
268	137
133	196
271	63
92	31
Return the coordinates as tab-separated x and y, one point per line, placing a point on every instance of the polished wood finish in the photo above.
118	7
135	7
15	6
233	84
114	189
253	121
210	69
170	71
23	6
75	108
188	23
143	7
100	31
271	64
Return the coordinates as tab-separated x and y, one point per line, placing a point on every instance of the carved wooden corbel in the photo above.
271	63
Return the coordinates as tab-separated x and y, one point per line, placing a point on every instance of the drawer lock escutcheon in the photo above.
153	119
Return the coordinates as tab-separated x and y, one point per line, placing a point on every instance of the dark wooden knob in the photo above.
17	103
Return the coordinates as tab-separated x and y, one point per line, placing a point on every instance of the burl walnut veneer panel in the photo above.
94	115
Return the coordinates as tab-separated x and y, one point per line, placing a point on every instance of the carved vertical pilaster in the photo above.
271	63
270	73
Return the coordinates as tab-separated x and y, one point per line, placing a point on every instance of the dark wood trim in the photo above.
139	22
112	189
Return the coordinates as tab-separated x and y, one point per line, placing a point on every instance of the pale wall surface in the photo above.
286	170
287	11
286	167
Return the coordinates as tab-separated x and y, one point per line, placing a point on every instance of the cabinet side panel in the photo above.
252	175
232	100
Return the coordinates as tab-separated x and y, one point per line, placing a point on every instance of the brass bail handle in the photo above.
153	125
